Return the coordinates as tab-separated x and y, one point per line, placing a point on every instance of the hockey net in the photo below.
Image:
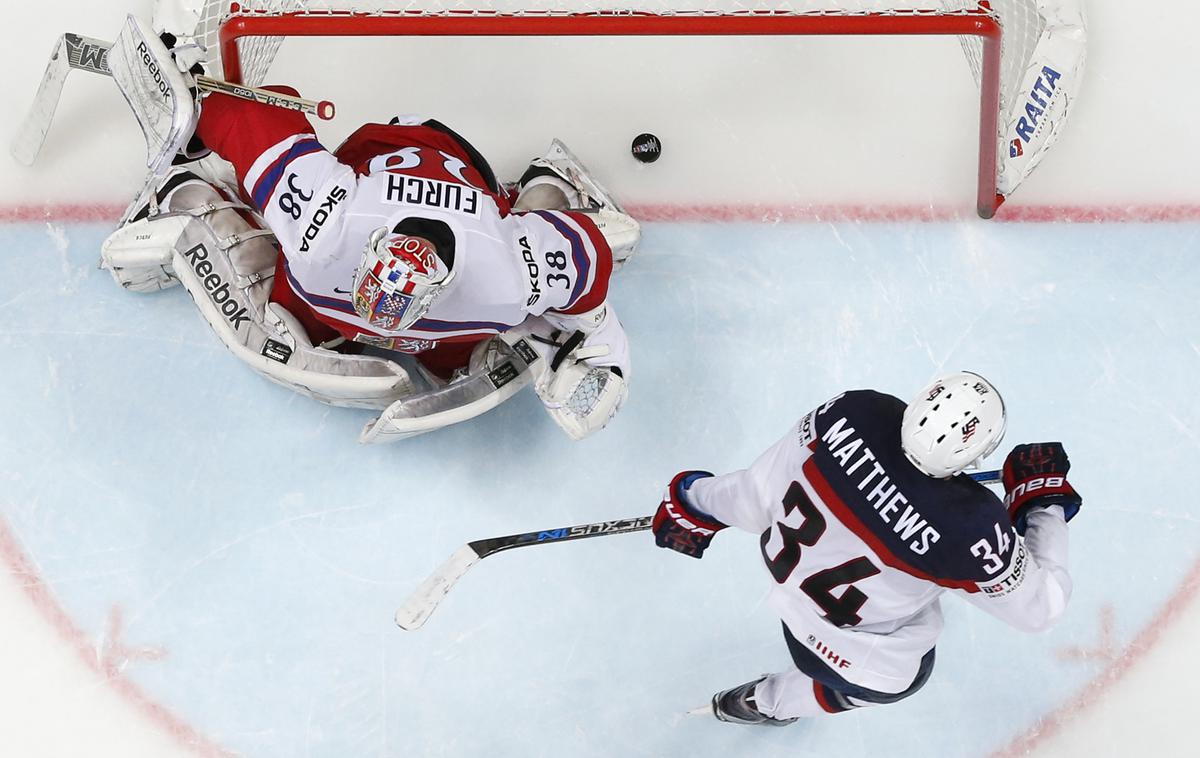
1026	55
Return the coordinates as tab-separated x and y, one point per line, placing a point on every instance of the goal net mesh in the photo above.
1020	20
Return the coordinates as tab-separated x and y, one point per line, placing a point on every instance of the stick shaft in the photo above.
323	109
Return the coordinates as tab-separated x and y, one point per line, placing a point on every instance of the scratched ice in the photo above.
238	556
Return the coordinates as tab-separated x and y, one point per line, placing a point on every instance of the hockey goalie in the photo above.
394	272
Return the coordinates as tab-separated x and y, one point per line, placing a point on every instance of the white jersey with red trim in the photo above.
324	206
861	544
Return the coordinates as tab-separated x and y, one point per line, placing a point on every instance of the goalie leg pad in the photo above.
499	369
227	264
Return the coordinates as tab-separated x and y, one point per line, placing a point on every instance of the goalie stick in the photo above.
76	52
421	604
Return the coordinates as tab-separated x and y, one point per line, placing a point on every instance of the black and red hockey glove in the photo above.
679	526
1035	476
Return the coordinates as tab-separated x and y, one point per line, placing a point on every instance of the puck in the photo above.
646	148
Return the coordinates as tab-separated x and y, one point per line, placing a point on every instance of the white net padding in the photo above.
1036	34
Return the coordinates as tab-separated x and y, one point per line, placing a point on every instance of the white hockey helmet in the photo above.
398	279
952	423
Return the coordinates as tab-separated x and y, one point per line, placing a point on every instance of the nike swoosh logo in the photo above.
341	292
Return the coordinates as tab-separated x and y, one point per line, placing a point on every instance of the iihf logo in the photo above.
1016	149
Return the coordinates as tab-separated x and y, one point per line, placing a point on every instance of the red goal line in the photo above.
700	213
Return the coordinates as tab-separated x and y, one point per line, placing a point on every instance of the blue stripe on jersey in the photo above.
322	301
432	325
578	254
267	183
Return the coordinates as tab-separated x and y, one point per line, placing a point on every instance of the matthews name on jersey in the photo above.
323	206
861	544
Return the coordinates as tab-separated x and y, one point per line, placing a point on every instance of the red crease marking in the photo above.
1053	722
30	581
1104	650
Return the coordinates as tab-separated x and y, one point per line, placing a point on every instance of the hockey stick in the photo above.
86	54
421	604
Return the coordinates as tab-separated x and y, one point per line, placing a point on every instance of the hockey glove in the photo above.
186	58
679	526
1035	476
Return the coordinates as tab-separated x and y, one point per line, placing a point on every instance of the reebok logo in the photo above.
152	69
218	289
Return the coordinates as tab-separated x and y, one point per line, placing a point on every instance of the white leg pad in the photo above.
201	240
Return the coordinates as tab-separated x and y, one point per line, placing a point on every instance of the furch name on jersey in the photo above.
881	492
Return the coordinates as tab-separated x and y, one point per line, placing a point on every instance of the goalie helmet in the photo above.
399	278
952	423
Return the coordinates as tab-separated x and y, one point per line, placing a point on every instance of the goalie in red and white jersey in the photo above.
402	242
865	524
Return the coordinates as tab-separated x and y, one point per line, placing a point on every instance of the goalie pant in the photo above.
861	546
323	206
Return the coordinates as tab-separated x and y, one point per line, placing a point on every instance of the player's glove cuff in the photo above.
1041	492
678	524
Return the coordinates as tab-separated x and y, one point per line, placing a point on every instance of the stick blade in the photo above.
32	135
424	600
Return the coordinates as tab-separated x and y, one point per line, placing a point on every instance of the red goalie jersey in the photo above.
323	206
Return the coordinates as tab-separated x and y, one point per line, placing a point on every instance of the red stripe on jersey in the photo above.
851	521
603	264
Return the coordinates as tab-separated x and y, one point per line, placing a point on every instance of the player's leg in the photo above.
781	698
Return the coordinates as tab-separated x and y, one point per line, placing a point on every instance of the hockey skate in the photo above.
561	169
737	706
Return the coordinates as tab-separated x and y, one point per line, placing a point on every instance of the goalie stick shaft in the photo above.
76	52
421	604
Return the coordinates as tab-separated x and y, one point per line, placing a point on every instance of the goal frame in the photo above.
973	22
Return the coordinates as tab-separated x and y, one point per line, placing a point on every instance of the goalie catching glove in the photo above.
585	368
1035	476
679	526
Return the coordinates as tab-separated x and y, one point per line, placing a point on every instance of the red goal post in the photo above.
1010	45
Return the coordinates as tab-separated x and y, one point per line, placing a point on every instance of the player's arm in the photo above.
697	505
1033	589
300	188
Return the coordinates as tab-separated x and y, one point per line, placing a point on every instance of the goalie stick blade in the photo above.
32	134
71	51
424	600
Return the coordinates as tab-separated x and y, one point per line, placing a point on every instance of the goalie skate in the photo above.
563	163
620	230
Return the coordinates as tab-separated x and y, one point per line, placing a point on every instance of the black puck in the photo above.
646	148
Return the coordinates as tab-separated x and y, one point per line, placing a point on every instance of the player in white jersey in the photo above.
402	241
865	523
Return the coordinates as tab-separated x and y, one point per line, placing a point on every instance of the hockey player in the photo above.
400	242
865	523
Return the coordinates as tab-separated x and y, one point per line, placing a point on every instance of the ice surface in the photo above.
240	531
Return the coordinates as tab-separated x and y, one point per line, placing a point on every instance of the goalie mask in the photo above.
954	422
400	277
